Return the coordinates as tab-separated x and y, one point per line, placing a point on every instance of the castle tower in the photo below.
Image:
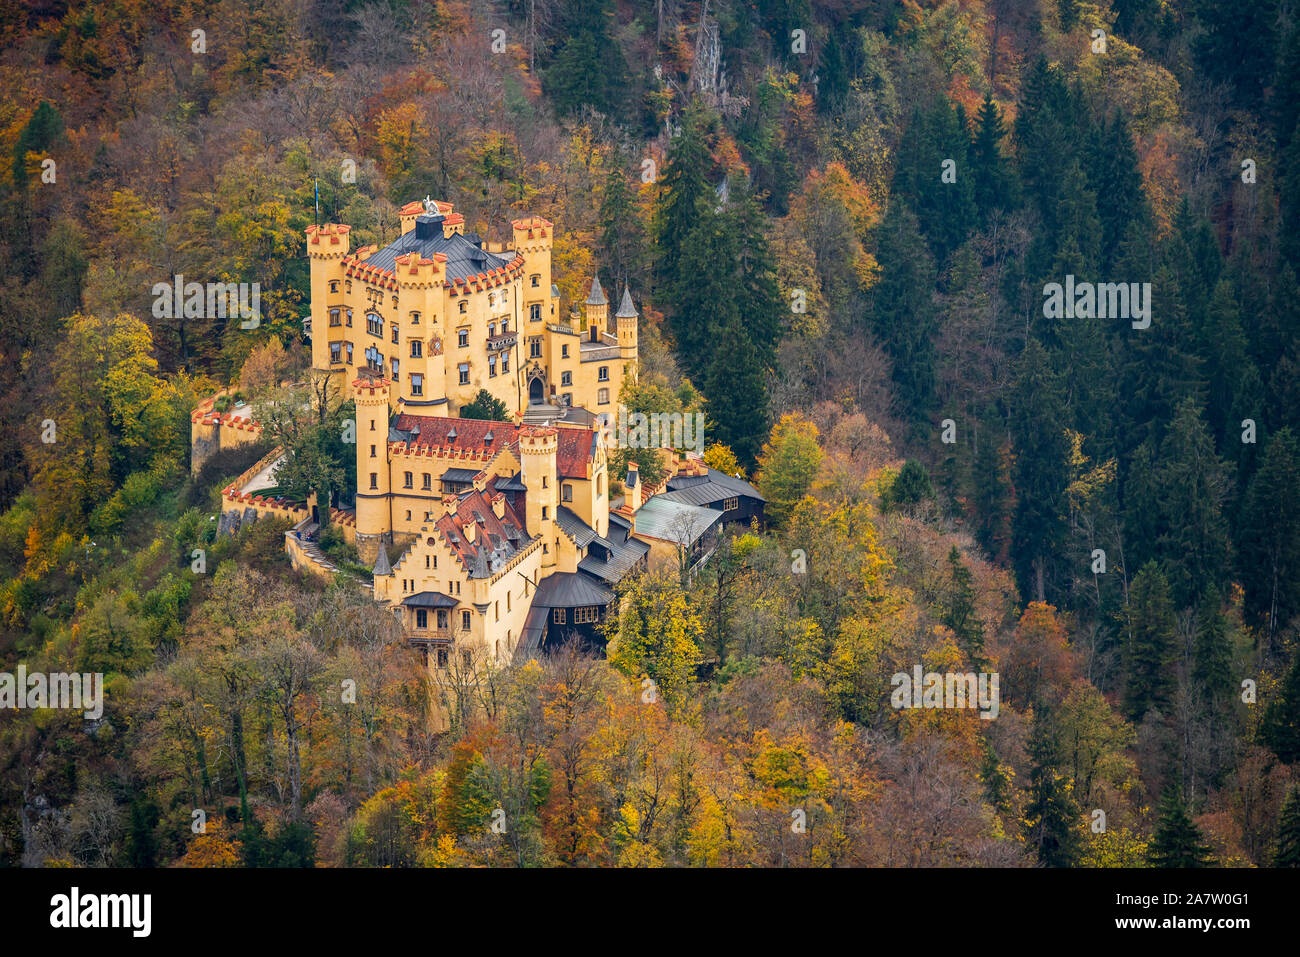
537	448
374	507
627	344
533	238
597	310
326	246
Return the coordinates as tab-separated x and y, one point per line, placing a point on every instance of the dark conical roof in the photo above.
625	308
597	296
382	567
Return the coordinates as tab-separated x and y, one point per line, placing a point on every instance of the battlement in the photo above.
328	240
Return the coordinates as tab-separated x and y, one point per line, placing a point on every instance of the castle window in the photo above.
505	362
464	622
558	616
443	619
348	313
417	384
496	611
535	279
463	305
427	482
334	285
466	660
335	318
421	618
407	480
535	347
347	286
335	352
417	348
546	512
730	503
566	378
566	492
492	366
426	557
374	325
442	658
374	478
602	374
435	562
602	396
600	485
492	329
372	451
507	603
347	347
464	373
396	376
535	312
394	332
394	302
415	318
586	615
564	351
462	338
408	514
498	648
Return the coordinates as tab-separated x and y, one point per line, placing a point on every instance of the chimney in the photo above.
632	487
450	501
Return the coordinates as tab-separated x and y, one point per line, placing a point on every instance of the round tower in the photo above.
627	344
537	448
374	507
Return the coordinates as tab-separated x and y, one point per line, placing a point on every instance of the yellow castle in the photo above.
442	314
488	539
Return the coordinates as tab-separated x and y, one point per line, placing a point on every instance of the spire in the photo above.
625	308
597	296
382	568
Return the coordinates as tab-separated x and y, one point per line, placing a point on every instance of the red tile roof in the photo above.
575	447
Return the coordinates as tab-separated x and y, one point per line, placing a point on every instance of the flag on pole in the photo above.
318	201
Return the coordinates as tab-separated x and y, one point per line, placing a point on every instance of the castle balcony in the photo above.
502	341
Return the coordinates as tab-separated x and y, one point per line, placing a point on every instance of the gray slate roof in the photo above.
570	590
625	308
675	522
597	295
706	490
464	258
429	599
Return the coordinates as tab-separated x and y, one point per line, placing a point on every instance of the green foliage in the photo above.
787	467
909	487
1177	841
485	406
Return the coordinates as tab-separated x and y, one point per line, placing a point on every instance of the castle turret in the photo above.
374	508
597	310
537	449
533	239
627	344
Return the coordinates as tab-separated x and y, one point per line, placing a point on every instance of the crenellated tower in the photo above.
537	451
374	476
